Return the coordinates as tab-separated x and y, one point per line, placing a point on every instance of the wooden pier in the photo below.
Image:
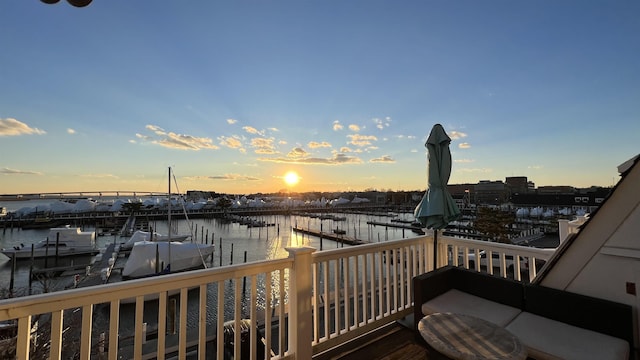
331	236
415	229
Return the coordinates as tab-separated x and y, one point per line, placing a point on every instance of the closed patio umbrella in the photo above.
437	208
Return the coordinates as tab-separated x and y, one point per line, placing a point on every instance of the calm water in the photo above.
231	240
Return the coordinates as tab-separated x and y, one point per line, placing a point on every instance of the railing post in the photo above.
300	315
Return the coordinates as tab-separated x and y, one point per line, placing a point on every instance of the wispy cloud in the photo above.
226	177
463	161
455	135
230	142
231	121
535	167
176	141
337	159
354	127
361	140
315	144
476	170
383	159
297	153
71	131
8	171
263	145
382	123
253	131
337	126
13	127
464	145
99	176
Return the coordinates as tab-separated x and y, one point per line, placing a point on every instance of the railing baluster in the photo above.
267	311
237	316
162	323
372	287
114	321
252	317
220	321
281	303
137	341
182	332
85	336
327	299
56	334
202	322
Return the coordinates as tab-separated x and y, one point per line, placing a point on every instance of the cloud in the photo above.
273	129
382	123
8	171
463	161
337	159
263	145
484	171
13	127
354	127
383	159
231	121
455	135
99	176
71	131
226	177
535	167
464	145
315	145
230	142
297	153
361	140
176	141
345	149
337	126
252	130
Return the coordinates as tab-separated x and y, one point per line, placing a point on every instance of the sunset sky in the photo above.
234	94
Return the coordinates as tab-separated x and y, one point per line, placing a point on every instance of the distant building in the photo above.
490	193
518	184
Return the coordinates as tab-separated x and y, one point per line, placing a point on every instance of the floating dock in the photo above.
331	236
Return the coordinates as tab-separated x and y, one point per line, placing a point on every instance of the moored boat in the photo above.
150	258
61	241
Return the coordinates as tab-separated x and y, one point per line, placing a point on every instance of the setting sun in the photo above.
291	178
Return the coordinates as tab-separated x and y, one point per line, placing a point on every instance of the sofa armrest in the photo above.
428	286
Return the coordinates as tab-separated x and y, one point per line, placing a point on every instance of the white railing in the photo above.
333	296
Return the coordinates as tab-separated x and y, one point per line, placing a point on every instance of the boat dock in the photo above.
398	225
100	271
341	238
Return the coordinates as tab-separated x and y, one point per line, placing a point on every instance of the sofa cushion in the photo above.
456	301
550	339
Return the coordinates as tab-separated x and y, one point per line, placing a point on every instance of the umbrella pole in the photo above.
435	249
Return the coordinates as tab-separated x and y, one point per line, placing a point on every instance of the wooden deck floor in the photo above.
393	342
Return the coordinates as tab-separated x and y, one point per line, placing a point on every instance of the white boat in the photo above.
61	241
150	258
140	235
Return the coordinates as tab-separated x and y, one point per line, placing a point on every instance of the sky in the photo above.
233	95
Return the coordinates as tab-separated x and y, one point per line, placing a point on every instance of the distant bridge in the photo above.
80	195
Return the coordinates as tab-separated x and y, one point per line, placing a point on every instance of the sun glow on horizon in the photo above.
291	178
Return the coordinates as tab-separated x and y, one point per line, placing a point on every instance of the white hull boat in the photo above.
150	258
62	241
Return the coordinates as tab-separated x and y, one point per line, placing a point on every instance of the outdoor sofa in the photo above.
550	323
